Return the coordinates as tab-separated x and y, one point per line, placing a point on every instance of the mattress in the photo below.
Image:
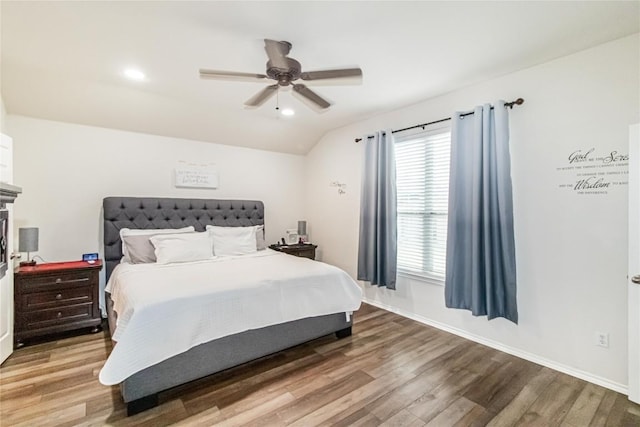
164	310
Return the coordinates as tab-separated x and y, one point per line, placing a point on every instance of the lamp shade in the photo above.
302	228
28	239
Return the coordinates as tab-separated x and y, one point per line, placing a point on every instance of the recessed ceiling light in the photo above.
288	112
133	74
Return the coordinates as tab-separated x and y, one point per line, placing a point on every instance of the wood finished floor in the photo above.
392	372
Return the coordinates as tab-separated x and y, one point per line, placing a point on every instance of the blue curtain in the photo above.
378	246
481	263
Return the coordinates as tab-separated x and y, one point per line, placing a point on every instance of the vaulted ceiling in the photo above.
64	60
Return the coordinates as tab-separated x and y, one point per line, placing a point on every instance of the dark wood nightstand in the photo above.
304	250
55	297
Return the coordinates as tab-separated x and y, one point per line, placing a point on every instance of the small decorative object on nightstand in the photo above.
56	297
305	250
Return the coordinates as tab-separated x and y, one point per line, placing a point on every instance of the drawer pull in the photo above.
58	280
59	315
59	296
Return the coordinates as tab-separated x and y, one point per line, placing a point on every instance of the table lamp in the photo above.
28	242
302	231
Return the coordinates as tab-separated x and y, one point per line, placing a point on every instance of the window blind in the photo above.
422	170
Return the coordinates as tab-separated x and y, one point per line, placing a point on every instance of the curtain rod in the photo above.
518	101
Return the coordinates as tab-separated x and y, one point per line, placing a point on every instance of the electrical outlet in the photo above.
602	339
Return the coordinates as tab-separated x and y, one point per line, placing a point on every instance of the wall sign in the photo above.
588	172
196	178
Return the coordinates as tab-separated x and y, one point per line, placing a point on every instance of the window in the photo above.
422	168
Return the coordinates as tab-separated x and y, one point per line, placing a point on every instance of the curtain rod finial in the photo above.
518	101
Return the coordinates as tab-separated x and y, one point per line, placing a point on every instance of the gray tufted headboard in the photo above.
152	212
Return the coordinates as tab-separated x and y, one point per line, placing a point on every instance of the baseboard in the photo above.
620	388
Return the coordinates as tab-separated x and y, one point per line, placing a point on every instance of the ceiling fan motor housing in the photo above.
284	76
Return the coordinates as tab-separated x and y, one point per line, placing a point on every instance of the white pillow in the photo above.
229	241
261	243
182	247
136	247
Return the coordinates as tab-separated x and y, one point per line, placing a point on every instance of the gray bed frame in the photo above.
140	390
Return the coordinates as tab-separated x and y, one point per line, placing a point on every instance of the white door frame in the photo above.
633	289
6	283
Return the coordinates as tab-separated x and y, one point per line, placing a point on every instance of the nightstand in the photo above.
304	250
55	297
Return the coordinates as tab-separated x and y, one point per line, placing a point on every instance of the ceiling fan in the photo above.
285	71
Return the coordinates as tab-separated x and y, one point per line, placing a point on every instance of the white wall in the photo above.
3	117
571	249
65	170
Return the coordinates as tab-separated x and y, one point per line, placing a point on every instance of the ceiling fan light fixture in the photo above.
287	112
134	74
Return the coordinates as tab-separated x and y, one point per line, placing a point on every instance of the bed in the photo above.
140	387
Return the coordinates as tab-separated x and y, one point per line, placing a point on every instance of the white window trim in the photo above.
422	277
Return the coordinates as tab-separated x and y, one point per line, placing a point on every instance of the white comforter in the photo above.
164	310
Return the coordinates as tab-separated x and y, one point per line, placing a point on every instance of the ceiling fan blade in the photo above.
230	75
277	52
262	96
332	74
311	96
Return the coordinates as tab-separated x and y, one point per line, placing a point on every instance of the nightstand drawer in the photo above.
63	280
306	253
57	316
58	298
